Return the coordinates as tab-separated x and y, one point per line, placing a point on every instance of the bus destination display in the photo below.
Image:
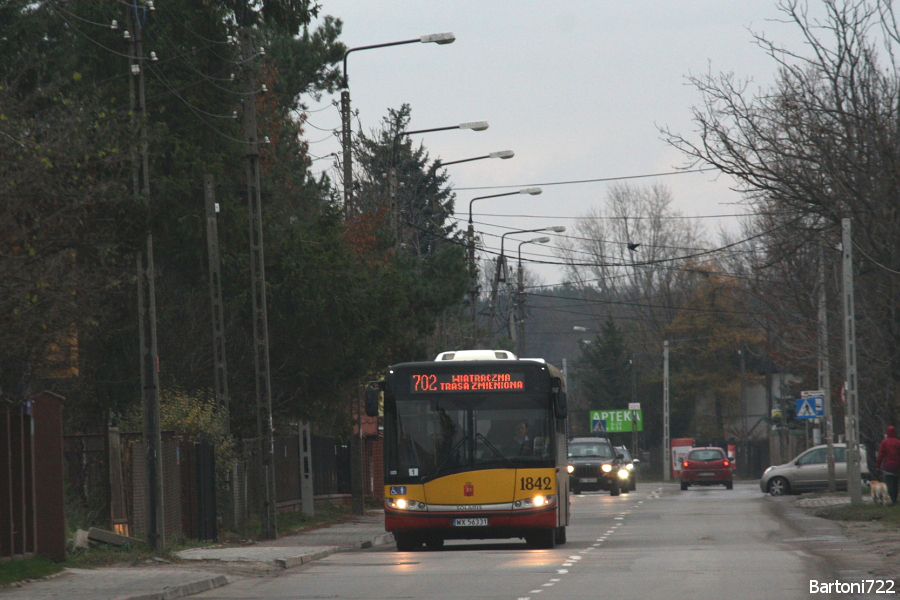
466	382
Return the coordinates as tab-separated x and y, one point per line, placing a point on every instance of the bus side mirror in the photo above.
560	400
373	397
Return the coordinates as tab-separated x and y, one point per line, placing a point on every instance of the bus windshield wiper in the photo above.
455	447
510	463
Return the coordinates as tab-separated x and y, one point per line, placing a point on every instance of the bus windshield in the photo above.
437	436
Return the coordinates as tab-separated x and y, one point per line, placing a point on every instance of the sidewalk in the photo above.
200	571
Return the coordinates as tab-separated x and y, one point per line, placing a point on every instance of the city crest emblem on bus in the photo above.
468	489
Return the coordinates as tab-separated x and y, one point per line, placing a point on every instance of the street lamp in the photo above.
504	154
520	297
356	464
392	176
470	234
501	264
436	38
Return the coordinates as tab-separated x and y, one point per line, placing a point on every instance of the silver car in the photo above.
809	472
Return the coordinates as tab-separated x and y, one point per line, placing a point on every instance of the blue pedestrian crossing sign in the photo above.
810	407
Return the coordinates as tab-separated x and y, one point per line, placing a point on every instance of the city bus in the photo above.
457	464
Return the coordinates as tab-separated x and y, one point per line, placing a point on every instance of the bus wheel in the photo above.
434	543
406	542
561	535
543	538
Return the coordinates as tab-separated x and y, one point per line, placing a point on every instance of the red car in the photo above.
706	466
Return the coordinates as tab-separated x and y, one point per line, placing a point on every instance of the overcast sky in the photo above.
577	89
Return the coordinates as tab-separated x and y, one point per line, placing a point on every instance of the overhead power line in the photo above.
577	181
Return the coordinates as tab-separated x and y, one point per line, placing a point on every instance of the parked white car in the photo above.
808	472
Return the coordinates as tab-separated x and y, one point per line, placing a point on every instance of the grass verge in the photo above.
886	515
28	568
102	555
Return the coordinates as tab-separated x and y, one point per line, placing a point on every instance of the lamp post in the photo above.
356	463
436	38
470	239
504	154
392	175
501	264
520	296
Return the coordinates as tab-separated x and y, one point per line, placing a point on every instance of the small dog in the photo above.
879	492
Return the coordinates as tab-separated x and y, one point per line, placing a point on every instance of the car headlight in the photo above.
623	474
606	468
629	466
570	468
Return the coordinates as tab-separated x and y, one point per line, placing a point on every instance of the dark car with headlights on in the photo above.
595	465
706	466
632	465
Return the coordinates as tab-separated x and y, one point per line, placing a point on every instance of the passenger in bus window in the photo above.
520	444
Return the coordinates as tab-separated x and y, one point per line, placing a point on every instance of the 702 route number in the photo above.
534	483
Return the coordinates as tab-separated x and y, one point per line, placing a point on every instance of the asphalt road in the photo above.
658	542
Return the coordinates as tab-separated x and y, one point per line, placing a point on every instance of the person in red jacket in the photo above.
889	461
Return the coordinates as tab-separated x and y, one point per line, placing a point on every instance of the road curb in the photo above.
186	589
294	561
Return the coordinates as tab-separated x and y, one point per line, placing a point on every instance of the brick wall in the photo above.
374	466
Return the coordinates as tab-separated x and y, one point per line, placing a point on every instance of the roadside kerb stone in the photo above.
187	589
280	556
118	583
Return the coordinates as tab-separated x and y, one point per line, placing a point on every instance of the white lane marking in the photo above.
554	580
535	591
567	564
575	557
547	584
562	571
595	545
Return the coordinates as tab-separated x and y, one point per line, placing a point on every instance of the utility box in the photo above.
680	448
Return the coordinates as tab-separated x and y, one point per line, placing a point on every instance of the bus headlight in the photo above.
535	502
606	468
623	474
404	504
570	469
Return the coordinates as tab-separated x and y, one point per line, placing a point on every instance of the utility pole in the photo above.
146	283
852	418
357	489
264	425
473	273
346	146
745	443
634	442
520	304
501	265
667	470
220	366
825	370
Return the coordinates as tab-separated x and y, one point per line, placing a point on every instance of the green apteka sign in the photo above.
615	421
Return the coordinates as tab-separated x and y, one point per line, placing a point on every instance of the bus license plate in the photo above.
482	522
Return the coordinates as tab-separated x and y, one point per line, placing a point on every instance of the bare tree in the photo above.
636	252
820	146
